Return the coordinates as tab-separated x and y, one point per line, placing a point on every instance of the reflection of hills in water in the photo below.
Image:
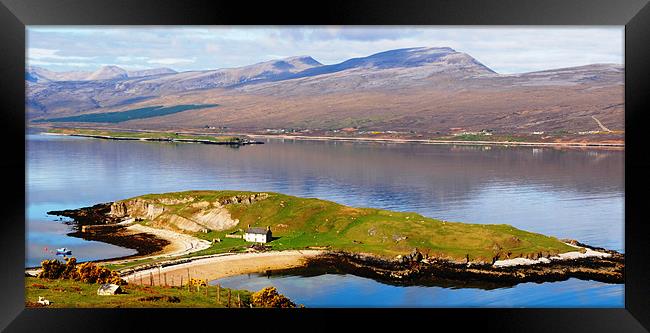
426	171
566	193
429	173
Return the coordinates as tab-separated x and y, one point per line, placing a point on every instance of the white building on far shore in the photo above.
258	235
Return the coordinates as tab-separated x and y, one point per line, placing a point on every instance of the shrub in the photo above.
70	269
51	269
270	298
198	282
92	273
87	272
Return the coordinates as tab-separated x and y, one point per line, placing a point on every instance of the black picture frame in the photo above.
634	14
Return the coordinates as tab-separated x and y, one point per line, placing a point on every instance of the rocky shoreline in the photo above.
416	270
109	232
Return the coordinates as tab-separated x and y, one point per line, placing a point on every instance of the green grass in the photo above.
142	135
117	117
76	294
482	137
130	264
299	223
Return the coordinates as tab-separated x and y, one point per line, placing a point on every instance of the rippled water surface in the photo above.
575	193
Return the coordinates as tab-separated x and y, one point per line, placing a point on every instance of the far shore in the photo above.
563	144
439	142
157	139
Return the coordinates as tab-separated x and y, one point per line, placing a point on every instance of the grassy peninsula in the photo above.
156	136
300	223
205	229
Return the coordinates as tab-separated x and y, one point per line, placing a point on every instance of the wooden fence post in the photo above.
165	276
228	297
172	280
218	293
151	278
181	281
160	284
238	300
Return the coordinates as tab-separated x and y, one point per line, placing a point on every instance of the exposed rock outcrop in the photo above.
196	216
138	208
244	199
407	270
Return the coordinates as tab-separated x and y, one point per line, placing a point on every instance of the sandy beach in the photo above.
223	265
180	244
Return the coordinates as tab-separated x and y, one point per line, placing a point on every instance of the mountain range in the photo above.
417	89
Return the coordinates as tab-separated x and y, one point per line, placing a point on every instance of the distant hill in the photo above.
39	74
421	89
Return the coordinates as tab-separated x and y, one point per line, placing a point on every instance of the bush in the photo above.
91	273
70	269
87	272
51	269
198	282
270	298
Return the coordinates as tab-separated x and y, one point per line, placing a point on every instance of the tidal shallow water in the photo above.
567	193
345	290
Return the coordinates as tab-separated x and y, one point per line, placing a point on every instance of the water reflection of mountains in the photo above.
420	170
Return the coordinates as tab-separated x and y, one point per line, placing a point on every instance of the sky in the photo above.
504	49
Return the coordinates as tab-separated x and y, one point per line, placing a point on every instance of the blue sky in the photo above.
504	49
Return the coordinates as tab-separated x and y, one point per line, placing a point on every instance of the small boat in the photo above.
63	252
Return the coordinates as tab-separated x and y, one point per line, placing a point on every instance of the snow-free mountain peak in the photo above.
108	73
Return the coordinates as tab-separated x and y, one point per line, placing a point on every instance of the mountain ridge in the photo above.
422	89
107	72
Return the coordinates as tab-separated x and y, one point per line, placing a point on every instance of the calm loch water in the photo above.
573	193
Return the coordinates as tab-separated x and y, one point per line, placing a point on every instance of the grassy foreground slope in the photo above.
299	223
75	294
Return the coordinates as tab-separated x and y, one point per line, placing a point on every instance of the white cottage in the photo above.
258	235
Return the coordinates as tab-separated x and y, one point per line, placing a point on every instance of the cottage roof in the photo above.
259	231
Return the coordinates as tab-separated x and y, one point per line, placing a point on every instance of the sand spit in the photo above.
181	244
222	265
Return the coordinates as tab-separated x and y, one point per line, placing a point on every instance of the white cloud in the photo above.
38	53
506	49
171	61
131	58
35	62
